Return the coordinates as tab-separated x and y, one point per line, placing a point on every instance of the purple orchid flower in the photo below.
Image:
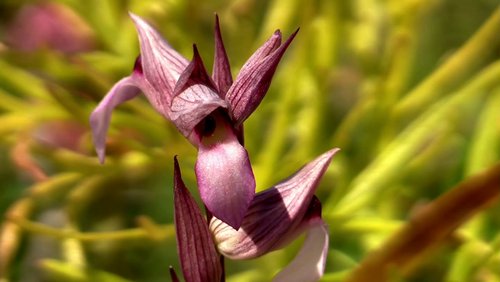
208	111
276	216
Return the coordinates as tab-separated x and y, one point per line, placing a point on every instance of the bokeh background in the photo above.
408	89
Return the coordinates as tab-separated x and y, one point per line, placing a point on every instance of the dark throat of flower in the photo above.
217	128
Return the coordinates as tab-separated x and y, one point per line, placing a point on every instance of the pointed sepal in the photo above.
221	72
199	259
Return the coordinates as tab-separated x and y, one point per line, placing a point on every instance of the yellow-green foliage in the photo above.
408	89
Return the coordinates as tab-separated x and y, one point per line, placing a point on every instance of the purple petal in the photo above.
122	91
254	79
274	215
198	255
221	72
161	65
309	264
225	178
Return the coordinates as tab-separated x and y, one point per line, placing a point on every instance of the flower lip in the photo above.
225	177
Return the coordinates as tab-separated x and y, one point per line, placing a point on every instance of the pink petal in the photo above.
225	178
161	65
191	106
275	215
309	264
199	258
122	91
254	79
221	72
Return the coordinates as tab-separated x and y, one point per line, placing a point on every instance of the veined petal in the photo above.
309	264
225	178
191	106
221	72
200	261
273	215
265	50
123	90
254	79
161	65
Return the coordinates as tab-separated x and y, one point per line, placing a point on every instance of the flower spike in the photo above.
208	111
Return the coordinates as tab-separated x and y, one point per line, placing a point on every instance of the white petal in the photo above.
309	264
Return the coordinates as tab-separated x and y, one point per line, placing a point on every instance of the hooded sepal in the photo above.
122	91
200	261
195	97
225	177
221	71
275	215
253	81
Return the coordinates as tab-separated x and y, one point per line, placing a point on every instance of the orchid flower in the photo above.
276	216
208	111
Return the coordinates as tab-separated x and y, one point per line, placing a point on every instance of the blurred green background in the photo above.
408	89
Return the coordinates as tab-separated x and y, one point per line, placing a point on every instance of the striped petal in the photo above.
253	81
275	215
